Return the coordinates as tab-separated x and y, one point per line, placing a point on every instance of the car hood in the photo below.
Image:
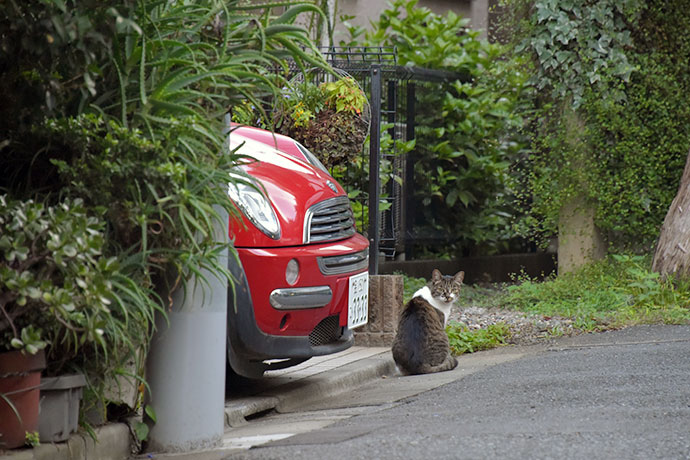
291	185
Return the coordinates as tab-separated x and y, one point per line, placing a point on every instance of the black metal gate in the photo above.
392	91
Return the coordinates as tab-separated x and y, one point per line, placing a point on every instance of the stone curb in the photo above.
290	396
114	443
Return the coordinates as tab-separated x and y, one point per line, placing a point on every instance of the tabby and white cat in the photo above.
421	344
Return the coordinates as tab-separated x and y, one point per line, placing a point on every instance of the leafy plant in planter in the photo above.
62	293
20	379
119	104
329	118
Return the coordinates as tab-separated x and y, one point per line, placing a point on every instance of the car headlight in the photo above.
255	205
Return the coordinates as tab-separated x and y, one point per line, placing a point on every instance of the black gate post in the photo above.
374	166
408	181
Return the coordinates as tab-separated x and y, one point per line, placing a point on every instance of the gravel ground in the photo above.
525	328
479	307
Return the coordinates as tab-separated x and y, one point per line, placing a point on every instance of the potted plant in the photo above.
20	378
57	295
330	118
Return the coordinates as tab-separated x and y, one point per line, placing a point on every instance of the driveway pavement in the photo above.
622	394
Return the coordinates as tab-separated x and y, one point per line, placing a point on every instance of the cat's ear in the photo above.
459	276
436	275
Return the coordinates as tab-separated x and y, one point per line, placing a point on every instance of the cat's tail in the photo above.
448	364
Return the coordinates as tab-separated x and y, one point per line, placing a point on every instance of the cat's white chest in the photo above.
443	307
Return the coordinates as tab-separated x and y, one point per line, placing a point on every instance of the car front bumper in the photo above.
269	319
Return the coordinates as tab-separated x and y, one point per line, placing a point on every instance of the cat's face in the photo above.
445	287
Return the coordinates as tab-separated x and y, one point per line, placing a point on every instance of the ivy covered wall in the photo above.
621	67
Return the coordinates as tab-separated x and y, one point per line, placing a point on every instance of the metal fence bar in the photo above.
392	231
374	166
408	181
388	225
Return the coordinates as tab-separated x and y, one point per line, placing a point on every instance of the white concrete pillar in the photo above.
579	240
186	366
480	16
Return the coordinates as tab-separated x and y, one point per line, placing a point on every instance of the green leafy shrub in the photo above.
608	113
466	132
60	291
157	199
326	118
620	290
118	105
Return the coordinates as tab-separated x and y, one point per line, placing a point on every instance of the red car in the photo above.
301	278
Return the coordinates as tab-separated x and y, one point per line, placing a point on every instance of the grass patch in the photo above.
618	291
410	286
463	340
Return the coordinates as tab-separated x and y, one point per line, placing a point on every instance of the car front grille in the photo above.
329	220
327	331
345	263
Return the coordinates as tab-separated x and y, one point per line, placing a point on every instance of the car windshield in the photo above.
311	158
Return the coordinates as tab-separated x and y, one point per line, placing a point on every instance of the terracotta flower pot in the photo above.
20	380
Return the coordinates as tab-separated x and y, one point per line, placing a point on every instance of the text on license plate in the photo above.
358	301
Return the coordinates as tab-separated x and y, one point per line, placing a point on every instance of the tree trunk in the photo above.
672	255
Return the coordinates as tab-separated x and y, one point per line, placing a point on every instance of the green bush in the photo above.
608	114
617	291
60	291
463	340
118	106
465	131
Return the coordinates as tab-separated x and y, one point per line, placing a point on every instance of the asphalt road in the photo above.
622	394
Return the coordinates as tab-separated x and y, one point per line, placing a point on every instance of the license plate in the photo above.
358	301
